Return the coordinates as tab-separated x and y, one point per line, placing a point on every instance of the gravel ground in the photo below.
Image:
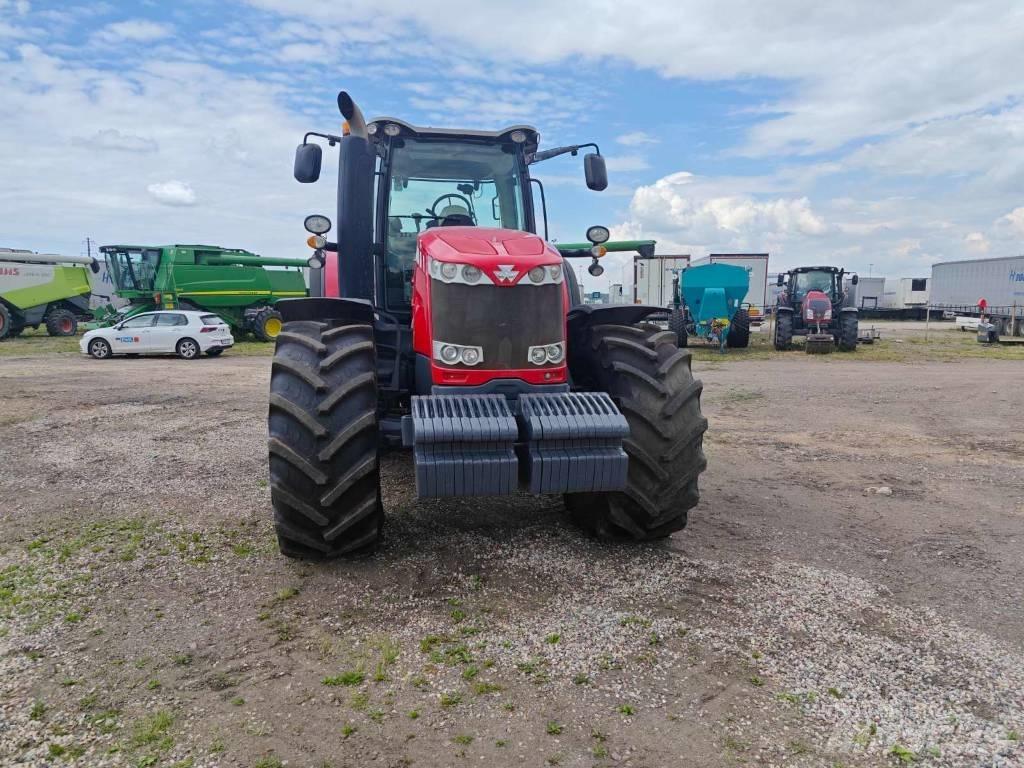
847	593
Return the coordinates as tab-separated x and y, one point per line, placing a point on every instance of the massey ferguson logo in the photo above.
506	273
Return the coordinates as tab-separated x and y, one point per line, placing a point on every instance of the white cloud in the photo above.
114	140
133	31
1013	222
976	243
636	138
172	193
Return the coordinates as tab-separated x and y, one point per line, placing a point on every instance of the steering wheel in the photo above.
468	205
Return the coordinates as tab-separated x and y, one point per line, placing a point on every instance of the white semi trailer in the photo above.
654	278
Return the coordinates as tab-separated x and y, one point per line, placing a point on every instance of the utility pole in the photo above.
88	247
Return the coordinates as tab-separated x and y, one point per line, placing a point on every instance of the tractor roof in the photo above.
816	269
532	137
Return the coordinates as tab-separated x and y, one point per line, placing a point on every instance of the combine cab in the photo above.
812	305
442	323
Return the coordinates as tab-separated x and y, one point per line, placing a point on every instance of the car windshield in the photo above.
813	281
446	182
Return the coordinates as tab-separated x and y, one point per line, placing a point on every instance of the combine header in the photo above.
449	327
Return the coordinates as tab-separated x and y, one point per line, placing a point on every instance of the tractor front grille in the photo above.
504	321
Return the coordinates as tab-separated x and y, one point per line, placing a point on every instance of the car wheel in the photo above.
99	349
188	349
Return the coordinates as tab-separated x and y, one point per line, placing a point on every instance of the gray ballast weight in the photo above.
466	445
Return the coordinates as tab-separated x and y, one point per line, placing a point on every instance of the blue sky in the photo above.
880	134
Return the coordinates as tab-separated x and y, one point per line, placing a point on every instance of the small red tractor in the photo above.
813	305
441	322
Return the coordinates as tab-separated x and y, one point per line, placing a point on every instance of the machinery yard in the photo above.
847	591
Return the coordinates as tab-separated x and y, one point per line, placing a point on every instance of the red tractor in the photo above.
813	304
439	321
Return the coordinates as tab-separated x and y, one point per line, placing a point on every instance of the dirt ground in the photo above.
848	591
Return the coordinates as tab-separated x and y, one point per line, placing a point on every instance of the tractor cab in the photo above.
441	320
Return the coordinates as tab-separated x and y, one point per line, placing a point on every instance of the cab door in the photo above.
132	336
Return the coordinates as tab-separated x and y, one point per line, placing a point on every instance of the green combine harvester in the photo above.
43	289
229	282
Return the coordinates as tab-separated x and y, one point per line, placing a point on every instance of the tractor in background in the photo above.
709	305
229	282
812	304
442	323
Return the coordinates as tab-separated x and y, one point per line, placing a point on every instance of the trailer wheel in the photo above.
61	322
848	332
5	322
267	324
187	349
322	422
651	381
99	349
783	330
739	330
677	324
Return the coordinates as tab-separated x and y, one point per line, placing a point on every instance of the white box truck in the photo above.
957	287
654	277
905	292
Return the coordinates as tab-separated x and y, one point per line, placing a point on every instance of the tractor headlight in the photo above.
316	261
449	271
453	354
537	275
598	234
556	273
453	272
547	354
471	274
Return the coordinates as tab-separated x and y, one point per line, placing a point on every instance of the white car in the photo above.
182	332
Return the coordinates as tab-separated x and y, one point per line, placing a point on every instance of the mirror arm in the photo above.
331	138
547	154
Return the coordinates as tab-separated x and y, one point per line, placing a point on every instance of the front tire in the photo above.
677	324
650	380
848	332
61	322
739	330
99	349
783	330
187	349
322	422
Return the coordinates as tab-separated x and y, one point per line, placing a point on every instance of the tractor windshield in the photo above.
436	182
818	280
133	269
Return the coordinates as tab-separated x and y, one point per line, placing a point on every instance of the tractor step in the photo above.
465	445
574	442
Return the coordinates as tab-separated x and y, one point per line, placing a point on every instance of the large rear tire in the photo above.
650	379
5	322
739	330
267	324
61	322
848	332
677	324
324	466
783	330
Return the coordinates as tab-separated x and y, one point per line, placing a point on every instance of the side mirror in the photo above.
307	163
781	280
854	279
595	171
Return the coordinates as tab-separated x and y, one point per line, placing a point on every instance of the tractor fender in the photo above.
585	315
324	308
785	309
849	310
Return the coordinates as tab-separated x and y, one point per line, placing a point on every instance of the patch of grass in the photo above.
88	701
285	593
835	693
508	706
864	737
756	681
470	672
903	755
152	729
600	751
553	638
359	701
106	721
798	747
73	617
153	684
55	750
348	730
475	582
351	677
458	615
237	701
242	549
581	679
420	681
270	761
430	642
554	728
450	699
555	759
414	714
501	743
482	688
37	711
634	621
1013	735
377	715
183	659
626	709
463	739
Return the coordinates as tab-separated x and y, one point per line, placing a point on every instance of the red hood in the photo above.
817	302
498	252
